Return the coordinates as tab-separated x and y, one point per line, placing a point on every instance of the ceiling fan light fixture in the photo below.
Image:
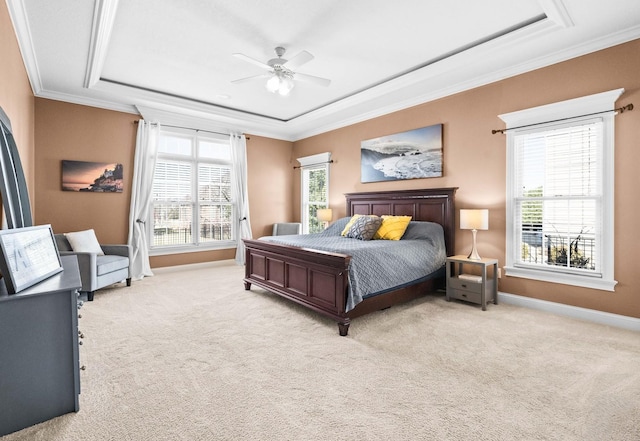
280	83
273	83
281	72
286	85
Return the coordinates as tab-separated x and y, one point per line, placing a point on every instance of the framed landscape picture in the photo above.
408	155
96	177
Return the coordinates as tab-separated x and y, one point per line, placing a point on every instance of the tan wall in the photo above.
270	181
475	161
16	96
72	132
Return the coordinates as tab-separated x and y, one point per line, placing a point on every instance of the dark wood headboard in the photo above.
429	204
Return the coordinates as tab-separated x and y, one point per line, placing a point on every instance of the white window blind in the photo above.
314	184
560	192
172	181
193	203
558	198
215	202
315	195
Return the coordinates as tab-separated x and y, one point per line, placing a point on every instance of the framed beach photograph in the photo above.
27	256
96	177
413	154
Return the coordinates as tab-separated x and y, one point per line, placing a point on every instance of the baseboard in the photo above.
604	318
193	266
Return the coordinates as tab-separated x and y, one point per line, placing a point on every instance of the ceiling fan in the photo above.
281	72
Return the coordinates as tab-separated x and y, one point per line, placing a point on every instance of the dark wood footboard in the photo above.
315	279
319	280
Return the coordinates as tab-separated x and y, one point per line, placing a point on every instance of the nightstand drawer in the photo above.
466	285
459	294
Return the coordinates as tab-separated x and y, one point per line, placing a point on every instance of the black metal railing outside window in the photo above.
573	251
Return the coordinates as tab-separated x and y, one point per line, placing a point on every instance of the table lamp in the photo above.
474	220
324	215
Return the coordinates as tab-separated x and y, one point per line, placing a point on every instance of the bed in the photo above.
319	279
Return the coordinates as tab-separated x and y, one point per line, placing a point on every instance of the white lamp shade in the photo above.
324	214
474	219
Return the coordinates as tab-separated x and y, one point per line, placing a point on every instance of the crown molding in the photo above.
18	15
104	15
549	59
418	87
87	101
557	12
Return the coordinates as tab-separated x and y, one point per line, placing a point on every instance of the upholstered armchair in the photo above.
285	228
100	265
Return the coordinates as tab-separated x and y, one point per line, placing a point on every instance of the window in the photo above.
560	192
314	189
193	205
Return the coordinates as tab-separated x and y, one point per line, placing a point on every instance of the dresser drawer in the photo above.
466	285
466	295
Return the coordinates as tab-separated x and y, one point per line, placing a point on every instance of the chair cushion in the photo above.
110	263
84	242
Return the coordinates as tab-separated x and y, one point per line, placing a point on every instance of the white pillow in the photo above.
84	242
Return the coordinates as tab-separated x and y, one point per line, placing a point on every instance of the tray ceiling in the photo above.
174	59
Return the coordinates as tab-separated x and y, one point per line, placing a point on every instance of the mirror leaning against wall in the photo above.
13	186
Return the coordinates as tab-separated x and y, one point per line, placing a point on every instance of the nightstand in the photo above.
472	287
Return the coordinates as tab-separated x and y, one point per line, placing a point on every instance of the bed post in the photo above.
343	327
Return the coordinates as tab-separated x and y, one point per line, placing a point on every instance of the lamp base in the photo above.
474	252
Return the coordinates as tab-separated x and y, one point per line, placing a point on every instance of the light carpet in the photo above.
191	355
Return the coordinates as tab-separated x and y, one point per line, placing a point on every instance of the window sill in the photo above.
181	249
565	279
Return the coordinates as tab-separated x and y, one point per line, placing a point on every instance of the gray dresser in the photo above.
39	360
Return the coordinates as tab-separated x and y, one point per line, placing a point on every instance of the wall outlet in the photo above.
499	273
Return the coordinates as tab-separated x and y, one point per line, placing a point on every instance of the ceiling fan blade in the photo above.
297	61
312	79
252	78
252	61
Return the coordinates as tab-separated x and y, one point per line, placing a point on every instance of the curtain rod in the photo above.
311	165
190	128
618	110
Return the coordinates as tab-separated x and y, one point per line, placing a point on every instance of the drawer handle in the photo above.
464	286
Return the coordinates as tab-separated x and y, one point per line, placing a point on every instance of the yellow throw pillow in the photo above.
393	227
349	224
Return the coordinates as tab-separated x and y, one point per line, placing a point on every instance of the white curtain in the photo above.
144	165
239	156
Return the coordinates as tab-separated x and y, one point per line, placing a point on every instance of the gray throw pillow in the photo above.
364	227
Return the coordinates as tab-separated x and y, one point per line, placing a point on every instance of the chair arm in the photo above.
87	265
117	250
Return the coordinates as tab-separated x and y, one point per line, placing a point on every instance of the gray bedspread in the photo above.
379	265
